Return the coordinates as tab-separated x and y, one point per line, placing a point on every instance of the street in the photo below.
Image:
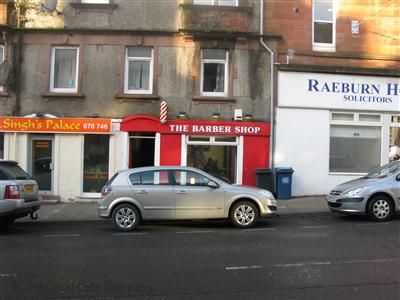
308	256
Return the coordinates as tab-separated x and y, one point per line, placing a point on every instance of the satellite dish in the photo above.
49	5
4	71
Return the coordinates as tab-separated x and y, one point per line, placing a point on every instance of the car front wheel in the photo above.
244	214
380	208
126	217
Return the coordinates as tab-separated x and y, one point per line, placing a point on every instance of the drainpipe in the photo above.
272	123
18	75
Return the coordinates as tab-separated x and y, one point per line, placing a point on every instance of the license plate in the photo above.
29	188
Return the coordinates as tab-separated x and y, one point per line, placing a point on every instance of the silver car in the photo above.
18	193
376	194
178	193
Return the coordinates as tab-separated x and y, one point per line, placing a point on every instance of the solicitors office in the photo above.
331	127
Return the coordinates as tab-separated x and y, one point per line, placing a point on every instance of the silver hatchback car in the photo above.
179	193
376	194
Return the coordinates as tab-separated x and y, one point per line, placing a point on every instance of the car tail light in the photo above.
105	191
12	192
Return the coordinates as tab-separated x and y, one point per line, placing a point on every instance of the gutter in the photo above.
272	112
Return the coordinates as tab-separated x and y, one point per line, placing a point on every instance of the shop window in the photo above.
394	148
214	73
216	2
64	70
324	22
215	158
342	117
138	70
354	149
95	165
190	178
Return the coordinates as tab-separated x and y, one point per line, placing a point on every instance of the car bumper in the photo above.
269	209
18	207
348	205
103	212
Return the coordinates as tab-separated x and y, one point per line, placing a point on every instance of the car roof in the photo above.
8	161
158	168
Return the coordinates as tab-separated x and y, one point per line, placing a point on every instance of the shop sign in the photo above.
215	128
55	125
317	90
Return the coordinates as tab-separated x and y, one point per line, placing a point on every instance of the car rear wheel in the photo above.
244	214
4	223
126	217
380	208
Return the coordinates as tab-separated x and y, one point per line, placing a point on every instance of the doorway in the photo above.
141	153
41	162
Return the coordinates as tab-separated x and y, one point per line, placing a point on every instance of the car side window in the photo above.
150	178
135	179
190	178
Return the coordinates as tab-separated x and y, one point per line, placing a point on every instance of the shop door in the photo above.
141	149
42	162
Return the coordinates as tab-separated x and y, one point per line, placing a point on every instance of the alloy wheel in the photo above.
244	214
125	217
381	209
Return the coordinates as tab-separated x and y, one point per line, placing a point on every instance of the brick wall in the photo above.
377	44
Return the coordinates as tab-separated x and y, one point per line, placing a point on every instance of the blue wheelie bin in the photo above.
284	183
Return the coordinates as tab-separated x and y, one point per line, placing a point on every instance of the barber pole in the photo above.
163	112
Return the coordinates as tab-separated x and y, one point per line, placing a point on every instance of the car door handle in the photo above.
142	192
182	192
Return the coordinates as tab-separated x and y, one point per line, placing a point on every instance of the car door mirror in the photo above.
398	178
213	184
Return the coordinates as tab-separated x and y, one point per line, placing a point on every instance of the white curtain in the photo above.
65	68
139	75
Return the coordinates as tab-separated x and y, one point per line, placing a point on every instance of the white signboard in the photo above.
332	91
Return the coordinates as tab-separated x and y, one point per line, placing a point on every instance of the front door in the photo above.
41	167
141	149
195	199
155	194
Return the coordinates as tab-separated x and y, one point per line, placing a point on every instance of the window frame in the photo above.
126	71
324	47
95	1
52	71
213	2
226	75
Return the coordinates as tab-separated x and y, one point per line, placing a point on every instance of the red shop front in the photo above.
226	149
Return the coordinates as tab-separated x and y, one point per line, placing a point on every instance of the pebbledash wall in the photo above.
332	127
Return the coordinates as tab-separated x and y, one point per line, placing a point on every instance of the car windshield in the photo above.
384	171
11	171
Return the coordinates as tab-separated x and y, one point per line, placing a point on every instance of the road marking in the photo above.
199	231
6	275
243	268
130	233
317	226
260	229
318	263
372	224
61	235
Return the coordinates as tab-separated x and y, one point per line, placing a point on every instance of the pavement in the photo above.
87	211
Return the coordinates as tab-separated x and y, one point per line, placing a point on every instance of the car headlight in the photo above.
266	194
353	193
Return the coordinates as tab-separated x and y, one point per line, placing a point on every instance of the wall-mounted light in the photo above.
215	116
248	118
182	115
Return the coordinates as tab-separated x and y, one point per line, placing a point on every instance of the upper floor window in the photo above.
216	2
139	70
64	69
324	23
214	73
95	1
